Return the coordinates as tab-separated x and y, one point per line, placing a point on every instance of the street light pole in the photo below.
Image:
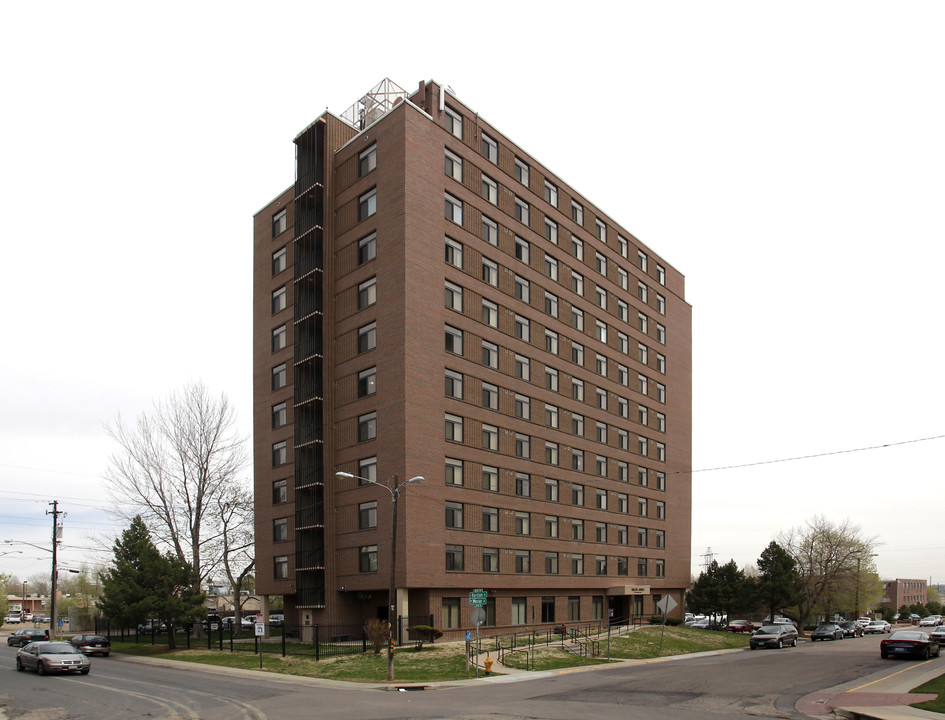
394	489
24	597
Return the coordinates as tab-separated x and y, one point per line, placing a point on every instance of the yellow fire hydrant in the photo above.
488	665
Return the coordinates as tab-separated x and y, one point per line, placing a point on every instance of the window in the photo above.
367	337
367	469
490	560
577	249
551	231
522	561
453	471
551	306
522	407
577	354
490	519
622	535
623	374
643	414
367	382
642	323
523	485
490	272
551	268
577	495
622	566
642	384
521	210
280	453
551	341
450	612
660	509
623	279
551	526
661	363
641	567
601	295
660	539
280	492
454	209
453	297
453	122
522	445
642	444
642	353
577	424
577	283
601	432
600	263
642	476
577	460
522	367
623	343
278	300
551	416
522	328
367	248
661	274
490	231
600	532
551	194
490	396
490	148
577	529
453	165
600	499
577	389
661	452
280	530
641	260
454	384
280	567
641	291
367	204
454	252
367	160
367	293
521	172
454	515
623	471
367	427
519	611
601	331
521	249
490	190
551	379
278	338
577	213
577	319
623	503
661	392
279	261
600	564
551	452
522	523
454	340
454	427
623	311
490	437
661	481
623	439
490	354
577	565
661	304
490	478
601	229
367	558
551	568
601	398
551	490
490	313
660	568
367	515
660	422
279	222
641	537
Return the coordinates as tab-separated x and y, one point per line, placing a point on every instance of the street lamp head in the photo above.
344	475
418	478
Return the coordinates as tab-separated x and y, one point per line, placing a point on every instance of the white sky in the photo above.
786	157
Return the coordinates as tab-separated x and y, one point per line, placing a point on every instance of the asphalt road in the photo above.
732	684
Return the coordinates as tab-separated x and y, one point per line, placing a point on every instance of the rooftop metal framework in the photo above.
375	103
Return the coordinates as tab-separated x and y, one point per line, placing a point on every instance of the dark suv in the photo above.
774	636
27	635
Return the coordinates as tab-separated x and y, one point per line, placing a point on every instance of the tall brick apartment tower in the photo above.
431	300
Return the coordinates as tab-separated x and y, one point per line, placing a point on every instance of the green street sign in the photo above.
478	598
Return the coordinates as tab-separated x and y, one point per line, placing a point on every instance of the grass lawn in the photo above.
932	686
445	661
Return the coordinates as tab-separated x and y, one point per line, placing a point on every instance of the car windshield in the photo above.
769	630
57	648
826	627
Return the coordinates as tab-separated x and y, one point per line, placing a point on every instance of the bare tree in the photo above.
174	466
236	543
831	560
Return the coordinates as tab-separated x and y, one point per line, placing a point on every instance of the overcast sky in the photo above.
788	158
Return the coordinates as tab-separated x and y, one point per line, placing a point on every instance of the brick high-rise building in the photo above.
431	300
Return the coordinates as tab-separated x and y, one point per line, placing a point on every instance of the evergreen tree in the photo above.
779	584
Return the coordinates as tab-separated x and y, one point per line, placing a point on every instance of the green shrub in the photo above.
424	633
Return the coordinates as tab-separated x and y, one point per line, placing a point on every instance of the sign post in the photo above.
666	604
477	598
260	633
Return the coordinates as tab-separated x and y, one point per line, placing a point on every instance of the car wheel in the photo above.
883	655
926	654
780	644
19	665
794	642
104	654
84	671
41	668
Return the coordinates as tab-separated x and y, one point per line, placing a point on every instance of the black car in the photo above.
774	636
827	631
906	643
91	644
851	629
25	636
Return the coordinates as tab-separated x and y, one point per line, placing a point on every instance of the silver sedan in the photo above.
52	657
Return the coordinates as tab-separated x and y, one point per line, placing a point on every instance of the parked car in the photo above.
739	626
877	626
52	657
13	617
864	621
277	620
852	629
40	618
909	642
827	631
248	622
27	617
774	636
91	644
938	634
24	636
930	621
152	626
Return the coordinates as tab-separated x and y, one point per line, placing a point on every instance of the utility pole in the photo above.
53	618
707	557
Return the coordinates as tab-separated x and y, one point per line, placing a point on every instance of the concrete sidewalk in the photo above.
885	697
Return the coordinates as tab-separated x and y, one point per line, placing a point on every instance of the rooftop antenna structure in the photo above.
374	104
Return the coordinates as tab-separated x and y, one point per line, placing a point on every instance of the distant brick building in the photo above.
431	300
899	592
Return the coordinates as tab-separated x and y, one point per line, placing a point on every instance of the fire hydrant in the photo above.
488	665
